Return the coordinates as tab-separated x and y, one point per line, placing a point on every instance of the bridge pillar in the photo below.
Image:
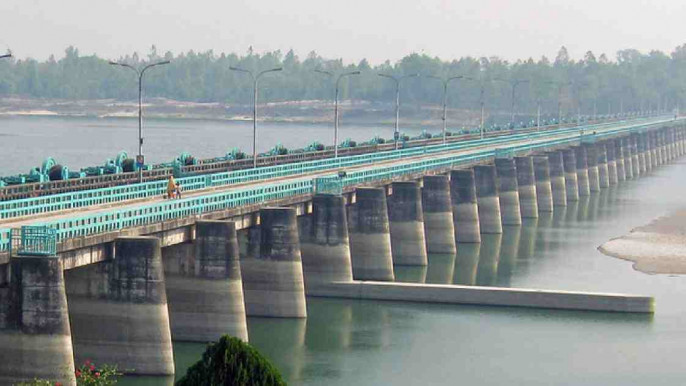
544	191
619	159
370	238
35	338
438	215
628	159
646	151
635	164
325	243
592	167
652	145
672	144
582	170
273	283
571	178
557	178
681	147
486	182
611	162
603	173
668	145
408	244
463	198
204	285
508	191
641	149
659	147
118	309
526	182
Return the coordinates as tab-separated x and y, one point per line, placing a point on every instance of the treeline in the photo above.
630	81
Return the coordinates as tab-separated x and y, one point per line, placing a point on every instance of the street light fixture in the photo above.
139	159
560	87
445	81
254	105
514	83
481	103
397	80
335	118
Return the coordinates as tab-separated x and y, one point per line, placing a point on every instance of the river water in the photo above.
80	142
345	342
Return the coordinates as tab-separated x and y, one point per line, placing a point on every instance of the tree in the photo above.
231	362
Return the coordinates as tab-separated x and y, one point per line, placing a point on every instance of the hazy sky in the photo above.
352	29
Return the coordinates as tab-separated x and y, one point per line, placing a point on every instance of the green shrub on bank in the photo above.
232	362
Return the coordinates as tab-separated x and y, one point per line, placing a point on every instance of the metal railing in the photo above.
33	241
80	199
115	220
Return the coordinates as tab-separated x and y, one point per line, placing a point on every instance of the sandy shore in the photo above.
656	248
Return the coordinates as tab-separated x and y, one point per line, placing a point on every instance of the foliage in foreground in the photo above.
232	362
86	375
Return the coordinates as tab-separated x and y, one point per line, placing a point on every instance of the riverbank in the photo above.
308	111
656	248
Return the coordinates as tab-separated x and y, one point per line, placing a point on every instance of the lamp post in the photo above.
254	78
481	103
335	109
139	159
397	80
560	87
445	82
514	83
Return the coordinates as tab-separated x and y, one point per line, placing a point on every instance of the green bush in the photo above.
231	362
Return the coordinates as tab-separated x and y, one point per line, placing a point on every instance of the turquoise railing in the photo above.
80	199
173	209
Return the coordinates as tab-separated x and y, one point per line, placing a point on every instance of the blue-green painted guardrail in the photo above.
153	213
85	198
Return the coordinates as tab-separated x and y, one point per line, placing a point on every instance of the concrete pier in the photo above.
408	244
324	241
619	159
118	309
526	182
273	283
603	171
439	230
544	191
645	139
628	158
512	297
557	178
487	199
582	171
508	191
592	167
35	337
370	237
463	198
635	164
204	285
652	143
571	177
611	162
641	149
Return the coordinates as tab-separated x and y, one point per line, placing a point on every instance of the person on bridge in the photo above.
171	187
177	190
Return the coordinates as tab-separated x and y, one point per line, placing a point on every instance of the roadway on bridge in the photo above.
108	208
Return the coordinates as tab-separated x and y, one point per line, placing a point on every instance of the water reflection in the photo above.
487	270
466	263
509	249
282	340
441	269
410	273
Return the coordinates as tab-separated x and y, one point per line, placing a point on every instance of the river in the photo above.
80	142
346	342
